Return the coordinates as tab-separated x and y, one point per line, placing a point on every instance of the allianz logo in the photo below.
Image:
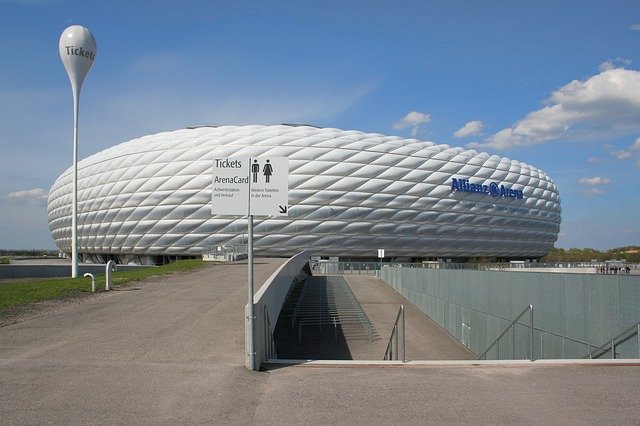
494	188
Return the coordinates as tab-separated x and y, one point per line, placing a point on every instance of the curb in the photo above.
275	363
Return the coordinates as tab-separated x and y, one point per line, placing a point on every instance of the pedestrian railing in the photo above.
269	343
392	353
610	345
512	327
327	303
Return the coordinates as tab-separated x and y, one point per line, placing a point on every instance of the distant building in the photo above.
351	193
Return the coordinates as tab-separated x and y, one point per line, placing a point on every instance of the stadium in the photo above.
350	193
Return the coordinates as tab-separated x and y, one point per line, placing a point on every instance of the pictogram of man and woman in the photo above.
267	171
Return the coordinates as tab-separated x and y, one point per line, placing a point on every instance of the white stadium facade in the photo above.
350	193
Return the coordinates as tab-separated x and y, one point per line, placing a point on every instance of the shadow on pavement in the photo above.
316	342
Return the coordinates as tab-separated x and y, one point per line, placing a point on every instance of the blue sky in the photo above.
555	84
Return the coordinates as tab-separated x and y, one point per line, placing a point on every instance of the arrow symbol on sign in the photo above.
283	209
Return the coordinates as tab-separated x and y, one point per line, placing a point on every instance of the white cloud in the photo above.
413	119
635	27
29	196
603	106
607	65
591	192
631	152
594	185
472	128
611	64
634	150
595	181
618	154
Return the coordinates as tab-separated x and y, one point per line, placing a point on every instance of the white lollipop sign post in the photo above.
77	51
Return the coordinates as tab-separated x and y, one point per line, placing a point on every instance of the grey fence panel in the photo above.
574	313
547	300
477	332
572	347
629	314
521	340
446	317
602	298
493	330
629	296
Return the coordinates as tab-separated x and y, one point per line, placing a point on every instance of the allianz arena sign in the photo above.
494	189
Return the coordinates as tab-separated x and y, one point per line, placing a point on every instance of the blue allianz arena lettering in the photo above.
494	189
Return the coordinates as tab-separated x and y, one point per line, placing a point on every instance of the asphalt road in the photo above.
171	351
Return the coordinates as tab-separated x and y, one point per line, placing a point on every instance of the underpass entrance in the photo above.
359	303
320	315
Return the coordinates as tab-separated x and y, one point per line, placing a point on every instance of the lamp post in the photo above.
78	51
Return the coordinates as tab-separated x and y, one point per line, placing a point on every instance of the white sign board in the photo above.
381	253
250	186
269	186
230	191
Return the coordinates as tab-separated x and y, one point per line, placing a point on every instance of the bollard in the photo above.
93	281
111	265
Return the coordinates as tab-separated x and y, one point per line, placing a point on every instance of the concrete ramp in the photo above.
426	340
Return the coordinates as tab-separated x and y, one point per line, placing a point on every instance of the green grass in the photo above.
22	292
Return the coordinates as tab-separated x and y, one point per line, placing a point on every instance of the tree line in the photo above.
629	253
28	253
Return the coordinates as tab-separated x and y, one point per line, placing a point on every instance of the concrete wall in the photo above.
572	313
268	301
53	271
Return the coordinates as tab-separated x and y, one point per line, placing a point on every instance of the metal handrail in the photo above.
612	343
269	342
389	353
528	308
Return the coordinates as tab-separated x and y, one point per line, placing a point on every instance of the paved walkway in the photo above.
171	351
426	340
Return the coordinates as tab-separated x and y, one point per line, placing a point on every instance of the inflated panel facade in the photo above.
350	194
